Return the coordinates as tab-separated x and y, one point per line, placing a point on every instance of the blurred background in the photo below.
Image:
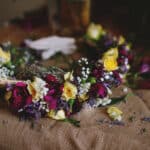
33	19
130	17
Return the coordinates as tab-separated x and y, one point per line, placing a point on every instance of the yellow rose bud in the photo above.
68	76
60	115
94	31
83	97
69	91
115	113
110	63
121	40
4	56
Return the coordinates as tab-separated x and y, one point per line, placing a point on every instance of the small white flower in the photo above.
128	67
102	79
107	77
109	91
84	88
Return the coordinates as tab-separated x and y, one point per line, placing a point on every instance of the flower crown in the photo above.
57	94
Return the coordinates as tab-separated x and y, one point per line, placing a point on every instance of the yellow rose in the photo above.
69	91
4	56
95	31
110	63
112	52
115	113
60	115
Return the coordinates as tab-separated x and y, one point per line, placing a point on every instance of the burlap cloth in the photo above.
49	134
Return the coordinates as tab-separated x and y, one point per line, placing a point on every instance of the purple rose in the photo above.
20	96
98	72
99	90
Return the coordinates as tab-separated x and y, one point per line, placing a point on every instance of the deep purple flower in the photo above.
62	104
99	90
32	111
98	72
121	61
117	78
20	96
123	52
91	102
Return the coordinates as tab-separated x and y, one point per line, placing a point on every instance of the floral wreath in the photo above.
57	94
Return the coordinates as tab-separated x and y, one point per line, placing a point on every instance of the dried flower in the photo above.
94	31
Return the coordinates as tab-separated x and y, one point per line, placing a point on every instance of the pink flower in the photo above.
55	91
20	96
99	90
52	102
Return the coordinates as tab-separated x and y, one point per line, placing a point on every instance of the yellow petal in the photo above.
94	31
69	91
83	97
8	96
60	115
5	56
110	63
112	52
114	113
32	90
114	109
121	40
68	76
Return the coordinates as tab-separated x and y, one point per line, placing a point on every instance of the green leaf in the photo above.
92	80
116	100
71	102
72	121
